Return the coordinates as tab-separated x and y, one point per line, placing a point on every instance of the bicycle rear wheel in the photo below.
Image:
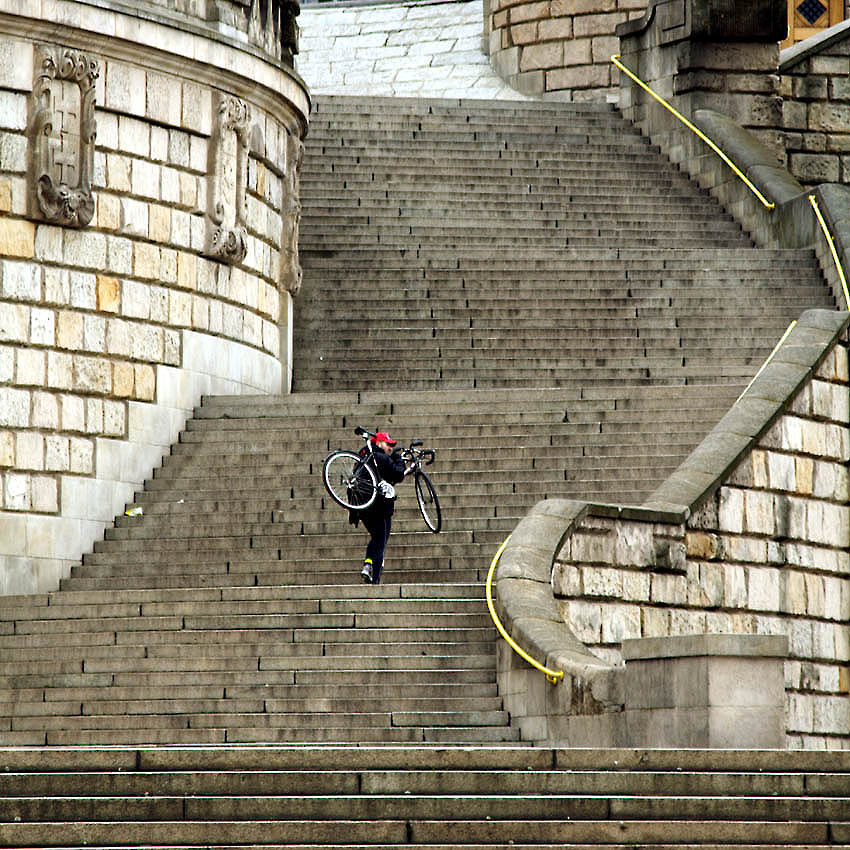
429	504
349	480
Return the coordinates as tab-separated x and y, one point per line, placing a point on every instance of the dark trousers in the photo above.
378	525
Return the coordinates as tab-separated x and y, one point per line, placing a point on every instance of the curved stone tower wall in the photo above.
149	159
557	48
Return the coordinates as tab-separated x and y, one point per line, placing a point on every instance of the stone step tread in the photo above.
404	831
23	609
460	808
679	784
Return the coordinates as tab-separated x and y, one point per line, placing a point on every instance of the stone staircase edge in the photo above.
768	395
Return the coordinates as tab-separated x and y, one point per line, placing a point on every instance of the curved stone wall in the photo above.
558	48
148	232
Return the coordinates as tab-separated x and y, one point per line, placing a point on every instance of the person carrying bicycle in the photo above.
377	518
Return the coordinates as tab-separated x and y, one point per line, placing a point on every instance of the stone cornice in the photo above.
115	30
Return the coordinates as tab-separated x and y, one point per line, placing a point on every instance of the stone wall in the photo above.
815	85
148	224
557	48
749	537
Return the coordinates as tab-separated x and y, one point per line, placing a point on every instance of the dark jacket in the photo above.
390	469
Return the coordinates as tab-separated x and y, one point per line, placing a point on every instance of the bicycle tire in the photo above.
349	480
429	504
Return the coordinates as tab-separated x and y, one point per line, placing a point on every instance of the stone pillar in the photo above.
706	54
723	691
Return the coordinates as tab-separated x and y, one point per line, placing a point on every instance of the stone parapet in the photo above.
148	218
816	113
748	537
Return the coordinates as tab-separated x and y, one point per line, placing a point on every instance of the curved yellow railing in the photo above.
768	204
553	676
831	243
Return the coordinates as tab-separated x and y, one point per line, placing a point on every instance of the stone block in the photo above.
21	281
585	621
16	492
120	251
146	260
815	168
57	455
48	243
134	136
31	367
125	88
168	265
94	333
731	509
13	111
108	215
17	238
734	586
44	494
164	99
29	450
92	374
764	589
583	7
16	64
542	56
118	172
82	455
836	66
145	382
621	622
107	294
529	11
82	290
14	407
555	28
7	364
522	34
669	589
45	411
15	323
114	419
198	155
596	25
145	179
85	249
7	448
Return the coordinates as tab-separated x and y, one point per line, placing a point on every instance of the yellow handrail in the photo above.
616	60
553	676
769	358
828	235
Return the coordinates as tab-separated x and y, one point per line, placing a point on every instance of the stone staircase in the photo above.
477	245
437	798
535	293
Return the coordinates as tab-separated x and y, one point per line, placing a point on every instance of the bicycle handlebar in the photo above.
428	455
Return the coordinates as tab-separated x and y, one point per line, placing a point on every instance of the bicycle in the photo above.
352	480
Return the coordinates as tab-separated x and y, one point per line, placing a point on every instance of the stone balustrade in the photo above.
749	537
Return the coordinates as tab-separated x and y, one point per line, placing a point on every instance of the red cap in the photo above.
383	437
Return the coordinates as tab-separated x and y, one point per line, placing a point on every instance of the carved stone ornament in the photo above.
290	267
228	176
61	137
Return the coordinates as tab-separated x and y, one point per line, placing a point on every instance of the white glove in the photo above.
387	489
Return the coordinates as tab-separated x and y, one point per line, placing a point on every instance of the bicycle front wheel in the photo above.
429	504
349	480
